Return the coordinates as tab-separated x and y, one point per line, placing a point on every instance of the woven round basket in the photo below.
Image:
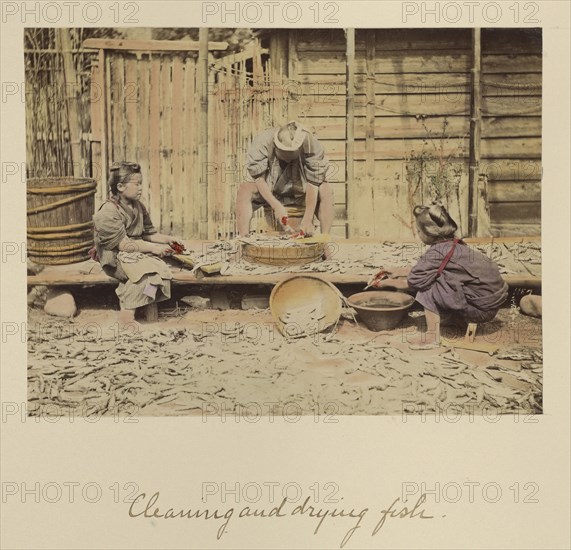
281	253
60	219
303	304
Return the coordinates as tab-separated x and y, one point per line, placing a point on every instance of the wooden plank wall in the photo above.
511	128
317	77
409	84
152	119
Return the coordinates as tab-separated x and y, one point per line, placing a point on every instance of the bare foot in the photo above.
431	338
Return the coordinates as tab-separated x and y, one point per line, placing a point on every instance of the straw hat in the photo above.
290	137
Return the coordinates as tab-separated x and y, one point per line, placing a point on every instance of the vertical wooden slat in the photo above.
194	167
117	133
178	182
279	56
214	179
144	154
203	81
293	110
475	133
375	218
196	189
186	199
216	166
224	152
352	212
155	140
98	127
166	180
231	141
108	144
132	110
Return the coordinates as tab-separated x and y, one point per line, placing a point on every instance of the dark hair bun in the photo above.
438	214
434	221
119	172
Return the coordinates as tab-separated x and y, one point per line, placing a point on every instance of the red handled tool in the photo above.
286	225
382	274
178	248
296	235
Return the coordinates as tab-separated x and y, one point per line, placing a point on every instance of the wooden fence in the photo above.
149	113
246	100
417	112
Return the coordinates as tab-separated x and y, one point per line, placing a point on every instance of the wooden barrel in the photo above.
60	219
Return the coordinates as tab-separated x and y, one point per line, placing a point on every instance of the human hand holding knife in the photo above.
379	276
289	229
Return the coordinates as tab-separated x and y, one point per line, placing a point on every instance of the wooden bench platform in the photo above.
89	273
55	276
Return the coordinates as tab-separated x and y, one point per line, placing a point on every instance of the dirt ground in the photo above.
234	362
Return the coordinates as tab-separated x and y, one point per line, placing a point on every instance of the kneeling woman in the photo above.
128	246
450	278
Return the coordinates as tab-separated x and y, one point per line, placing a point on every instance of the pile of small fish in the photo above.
181	371
364	258
303	321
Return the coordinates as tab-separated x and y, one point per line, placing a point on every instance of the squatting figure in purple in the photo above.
450	279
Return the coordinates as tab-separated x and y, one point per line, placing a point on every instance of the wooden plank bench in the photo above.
89	273
71	275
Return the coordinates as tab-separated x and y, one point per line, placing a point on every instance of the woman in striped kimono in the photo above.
128	246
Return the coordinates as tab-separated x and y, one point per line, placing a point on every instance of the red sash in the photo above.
448	256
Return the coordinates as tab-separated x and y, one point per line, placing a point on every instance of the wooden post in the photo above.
203	155
215	156
475	134
278	57
98	127
350	143
71	99
107	142
370	186
293	104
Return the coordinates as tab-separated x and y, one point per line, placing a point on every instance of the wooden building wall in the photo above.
413	99
511	129
413	91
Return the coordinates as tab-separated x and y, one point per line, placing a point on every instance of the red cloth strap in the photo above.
447	257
